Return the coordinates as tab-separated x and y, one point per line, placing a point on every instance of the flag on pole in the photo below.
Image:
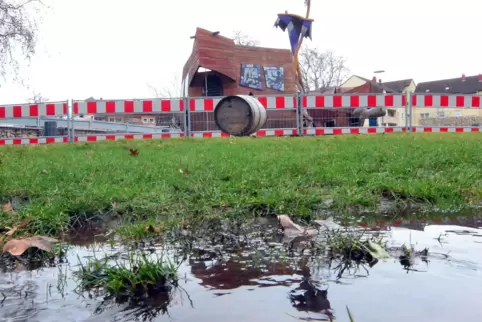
297	26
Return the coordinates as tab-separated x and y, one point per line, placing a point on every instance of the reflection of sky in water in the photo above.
445	290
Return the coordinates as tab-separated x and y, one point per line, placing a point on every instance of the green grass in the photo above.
237	177
136	276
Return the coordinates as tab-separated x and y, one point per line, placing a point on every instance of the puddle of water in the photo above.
222	283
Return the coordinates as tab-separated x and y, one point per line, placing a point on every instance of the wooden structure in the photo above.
223	58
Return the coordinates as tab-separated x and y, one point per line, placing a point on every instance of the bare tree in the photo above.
37	98
172	90
18	32
321	69
242	39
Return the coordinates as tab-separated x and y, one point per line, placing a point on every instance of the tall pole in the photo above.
297	51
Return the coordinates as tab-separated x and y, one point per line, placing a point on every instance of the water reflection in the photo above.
255	277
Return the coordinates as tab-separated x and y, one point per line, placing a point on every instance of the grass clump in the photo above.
136	277
68	184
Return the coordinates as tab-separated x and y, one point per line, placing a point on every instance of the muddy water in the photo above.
446	287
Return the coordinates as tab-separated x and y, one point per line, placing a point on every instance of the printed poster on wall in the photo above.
251	76
274	77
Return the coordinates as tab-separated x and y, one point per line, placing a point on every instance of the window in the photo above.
391	112
424	115
441	114
111	119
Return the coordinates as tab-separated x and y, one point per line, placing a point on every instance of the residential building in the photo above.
449	116
395	116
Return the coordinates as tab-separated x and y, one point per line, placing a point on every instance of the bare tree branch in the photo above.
242	39
172	90
37	98
18	30
322	69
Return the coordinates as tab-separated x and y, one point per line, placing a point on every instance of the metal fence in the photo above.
301	115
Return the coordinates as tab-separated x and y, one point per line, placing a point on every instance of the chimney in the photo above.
463	78
479	78
374	79
380	81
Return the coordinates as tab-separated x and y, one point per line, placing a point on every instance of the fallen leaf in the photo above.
286	222
17	247
133	152
377	251
20	225
115	204
152	229
185	171
7	207
293	230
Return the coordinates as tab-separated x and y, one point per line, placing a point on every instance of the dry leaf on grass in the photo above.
185	171
15	228
292	230
133	152
17	247
20	225
152	229
7	207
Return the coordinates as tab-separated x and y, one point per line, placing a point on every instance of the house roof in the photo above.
471	85
378	87
398	85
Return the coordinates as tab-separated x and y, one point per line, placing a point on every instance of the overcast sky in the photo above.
113	48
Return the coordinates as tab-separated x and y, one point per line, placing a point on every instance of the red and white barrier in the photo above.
118	137
269	102
34	141
353	130
33	110
129	106
354	101
449	101
441	129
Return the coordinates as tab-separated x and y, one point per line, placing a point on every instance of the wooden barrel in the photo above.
240	115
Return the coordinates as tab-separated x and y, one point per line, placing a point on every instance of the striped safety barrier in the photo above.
171	105
219	134
354	101
438	129
269	102
450	101
353	130
129	106
33	110
36	140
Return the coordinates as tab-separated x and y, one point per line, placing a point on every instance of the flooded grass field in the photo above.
233	271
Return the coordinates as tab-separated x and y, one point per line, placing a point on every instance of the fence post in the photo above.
410	111
299	113
70	121
187	118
